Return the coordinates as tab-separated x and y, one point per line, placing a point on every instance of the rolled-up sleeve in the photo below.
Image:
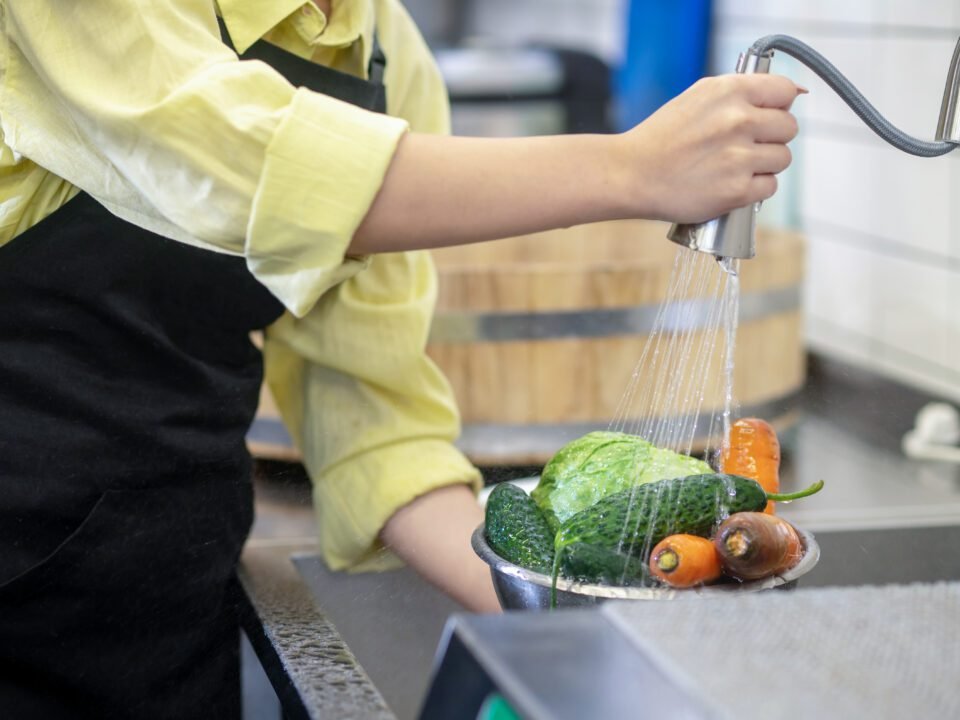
302	220
373	416
152	115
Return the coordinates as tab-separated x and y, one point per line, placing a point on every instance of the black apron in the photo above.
127	384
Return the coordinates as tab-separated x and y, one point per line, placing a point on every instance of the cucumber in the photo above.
633	521
588	563
517	529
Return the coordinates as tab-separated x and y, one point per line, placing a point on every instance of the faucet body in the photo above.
948	128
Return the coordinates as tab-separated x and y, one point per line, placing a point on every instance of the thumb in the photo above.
772	91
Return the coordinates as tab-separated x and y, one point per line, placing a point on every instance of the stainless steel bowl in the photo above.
522	589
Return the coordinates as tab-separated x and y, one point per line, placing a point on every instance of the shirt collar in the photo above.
249	20
352	20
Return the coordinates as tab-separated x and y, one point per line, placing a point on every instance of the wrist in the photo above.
635	179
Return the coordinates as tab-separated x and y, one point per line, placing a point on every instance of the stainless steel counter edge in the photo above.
312	670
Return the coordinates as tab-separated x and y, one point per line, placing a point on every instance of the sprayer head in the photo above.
948	128
731	235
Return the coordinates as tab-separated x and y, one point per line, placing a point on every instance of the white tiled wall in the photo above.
883	274
895	13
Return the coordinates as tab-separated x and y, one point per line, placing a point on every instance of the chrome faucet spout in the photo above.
948	127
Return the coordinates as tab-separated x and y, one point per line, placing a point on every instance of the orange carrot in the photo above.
753	451
753	545
685	560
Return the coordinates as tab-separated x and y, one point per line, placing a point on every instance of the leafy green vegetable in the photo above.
599	464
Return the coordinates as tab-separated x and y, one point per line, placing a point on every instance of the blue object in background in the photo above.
666	52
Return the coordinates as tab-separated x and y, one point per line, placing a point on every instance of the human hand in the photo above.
715	147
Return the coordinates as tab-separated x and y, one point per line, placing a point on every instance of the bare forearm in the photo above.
713	148
455	190
432	535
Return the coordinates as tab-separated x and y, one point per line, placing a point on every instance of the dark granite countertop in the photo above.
312	670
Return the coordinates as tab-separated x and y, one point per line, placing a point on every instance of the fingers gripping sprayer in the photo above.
732	235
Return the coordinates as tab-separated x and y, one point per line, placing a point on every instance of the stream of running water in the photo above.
680	395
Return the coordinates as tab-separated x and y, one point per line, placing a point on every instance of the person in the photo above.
161	198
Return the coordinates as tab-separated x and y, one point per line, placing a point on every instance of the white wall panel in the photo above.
840	286
914	305
884	313
930	14
919	13
954	239
876	191
851	11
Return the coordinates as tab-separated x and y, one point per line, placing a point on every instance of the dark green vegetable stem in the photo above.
787	497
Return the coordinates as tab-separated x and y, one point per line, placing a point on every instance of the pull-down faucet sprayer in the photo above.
732	235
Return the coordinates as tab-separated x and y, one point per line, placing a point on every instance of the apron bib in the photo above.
127	385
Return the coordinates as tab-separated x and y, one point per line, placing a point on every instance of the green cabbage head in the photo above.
601	463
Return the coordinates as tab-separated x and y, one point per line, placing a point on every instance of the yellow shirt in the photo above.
187	142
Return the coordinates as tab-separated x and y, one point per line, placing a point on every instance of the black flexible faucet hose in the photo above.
851	96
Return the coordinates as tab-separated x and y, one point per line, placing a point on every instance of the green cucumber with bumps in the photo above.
517	529
593	564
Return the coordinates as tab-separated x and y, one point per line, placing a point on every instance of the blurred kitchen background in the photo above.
855	290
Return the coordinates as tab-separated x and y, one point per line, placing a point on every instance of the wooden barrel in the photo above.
539	335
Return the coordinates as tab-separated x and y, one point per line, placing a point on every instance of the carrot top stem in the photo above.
786	497
668	561
738	543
